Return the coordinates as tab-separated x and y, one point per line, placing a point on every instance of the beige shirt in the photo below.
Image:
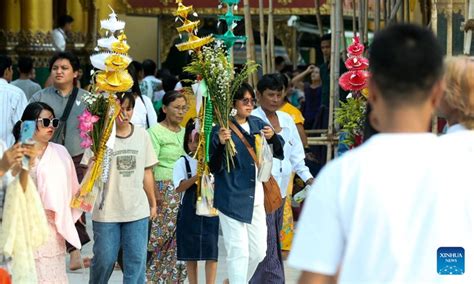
124	199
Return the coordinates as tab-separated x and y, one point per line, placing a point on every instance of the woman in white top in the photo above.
144	115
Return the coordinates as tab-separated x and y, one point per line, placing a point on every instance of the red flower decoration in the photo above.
356	48
357	63
354	80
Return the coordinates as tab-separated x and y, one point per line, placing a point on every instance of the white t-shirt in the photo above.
294	155
124	198
180	173
380	213
259	198
141	111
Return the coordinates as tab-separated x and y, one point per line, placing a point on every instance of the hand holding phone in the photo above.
28	129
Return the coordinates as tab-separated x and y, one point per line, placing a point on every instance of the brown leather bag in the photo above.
271	190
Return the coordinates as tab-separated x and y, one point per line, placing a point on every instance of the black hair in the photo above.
190	126
122	97
137	65
73	60
134	74
163	72
64	20
149	67
31	112
5	63
169	82
270	82
405	62
243	89
279	60
25	64
168	98
326	37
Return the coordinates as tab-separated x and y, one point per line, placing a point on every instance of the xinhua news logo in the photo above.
450	260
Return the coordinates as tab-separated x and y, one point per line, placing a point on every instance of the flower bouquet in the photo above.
97	122
351	114
221	82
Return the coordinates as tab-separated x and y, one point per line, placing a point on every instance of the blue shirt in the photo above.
235	189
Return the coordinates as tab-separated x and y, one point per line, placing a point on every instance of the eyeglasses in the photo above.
46	122
248	101
182	109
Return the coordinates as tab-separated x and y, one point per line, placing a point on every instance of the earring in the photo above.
233	112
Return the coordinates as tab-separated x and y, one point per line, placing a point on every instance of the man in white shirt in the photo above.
60	33
12	101
270	95
397	209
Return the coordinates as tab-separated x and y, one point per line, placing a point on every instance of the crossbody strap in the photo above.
70	102
246	143
146	110
188	167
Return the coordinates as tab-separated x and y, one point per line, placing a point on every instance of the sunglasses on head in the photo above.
46	122
248	101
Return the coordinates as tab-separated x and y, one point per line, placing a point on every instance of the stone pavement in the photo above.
82	276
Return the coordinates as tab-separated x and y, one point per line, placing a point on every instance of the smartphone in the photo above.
28	129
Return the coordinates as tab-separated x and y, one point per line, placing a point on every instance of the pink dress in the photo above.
56	180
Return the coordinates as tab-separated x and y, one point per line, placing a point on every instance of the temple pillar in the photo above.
9	25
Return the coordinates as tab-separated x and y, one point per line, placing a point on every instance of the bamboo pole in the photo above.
318	17
393	14
354	15
377	15
294	47
449	34
361	21
250	43
366	21
263	53
385	12
343	34
469	14
334	74
270	39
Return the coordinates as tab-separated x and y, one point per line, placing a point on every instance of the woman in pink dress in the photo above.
56	181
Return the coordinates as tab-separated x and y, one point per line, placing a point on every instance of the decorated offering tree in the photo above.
97	122
350	116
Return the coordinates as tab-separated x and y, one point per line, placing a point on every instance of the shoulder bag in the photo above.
272	195
60	132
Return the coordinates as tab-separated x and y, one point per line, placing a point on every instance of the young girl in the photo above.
123	207
197	236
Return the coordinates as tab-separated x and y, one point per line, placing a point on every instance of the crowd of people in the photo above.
393	196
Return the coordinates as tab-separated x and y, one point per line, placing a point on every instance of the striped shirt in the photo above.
12	104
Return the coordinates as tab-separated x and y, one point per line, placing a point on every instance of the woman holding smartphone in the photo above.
55	178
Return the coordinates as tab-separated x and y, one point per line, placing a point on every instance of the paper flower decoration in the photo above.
354	80
357	63
190	27
356	48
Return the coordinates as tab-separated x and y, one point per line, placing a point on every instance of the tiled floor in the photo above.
82	277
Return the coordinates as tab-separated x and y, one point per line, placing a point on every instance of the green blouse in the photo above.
168	146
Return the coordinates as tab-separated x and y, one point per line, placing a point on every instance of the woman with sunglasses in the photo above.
238	194
55	177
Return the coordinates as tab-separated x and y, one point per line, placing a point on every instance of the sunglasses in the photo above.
46	122
248	101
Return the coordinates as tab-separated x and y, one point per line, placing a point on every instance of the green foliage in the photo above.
350	117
